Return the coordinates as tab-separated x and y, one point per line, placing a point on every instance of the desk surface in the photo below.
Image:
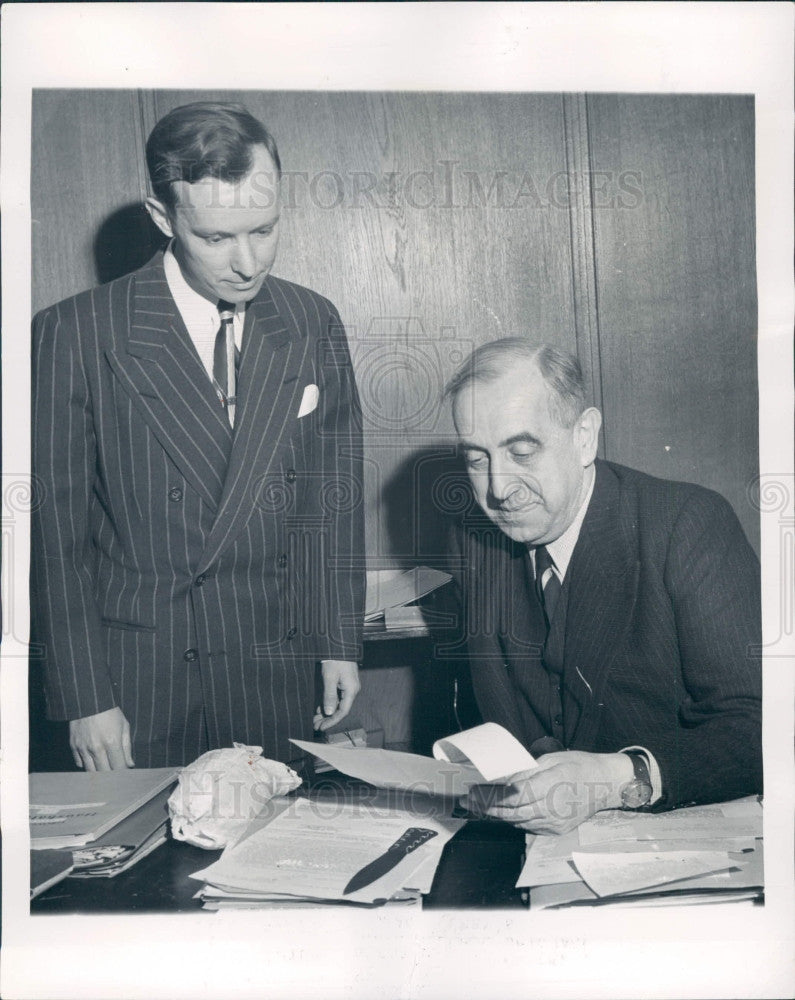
478	869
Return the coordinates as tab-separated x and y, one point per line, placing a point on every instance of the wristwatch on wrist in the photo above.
637	793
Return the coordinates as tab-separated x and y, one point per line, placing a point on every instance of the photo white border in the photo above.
559	47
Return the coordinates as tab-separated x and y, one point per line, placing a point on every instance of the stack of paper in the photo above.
309	852
127	842
391	592
107	820
699	854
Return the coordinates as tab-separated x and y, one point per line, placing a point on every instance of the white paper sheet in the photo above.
719	822
494	751
395	769
609	874
479	755
548	860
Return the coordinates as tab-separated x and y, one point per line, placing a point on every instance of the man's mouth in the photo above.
513	511
244	286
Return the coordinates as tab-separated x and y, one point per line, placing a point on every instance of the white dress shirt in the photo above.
200	315
561	551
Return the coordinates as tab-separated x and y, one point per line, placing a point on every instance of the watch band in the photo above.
636	794
640	766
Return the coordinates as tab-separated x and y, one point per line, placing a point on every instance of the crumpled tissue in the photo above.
222	791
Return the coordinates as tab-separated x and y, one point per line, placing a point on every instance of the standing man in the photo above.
612	619
197	433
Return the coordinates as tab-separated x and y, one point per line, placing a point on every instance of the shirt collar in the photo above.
194	308
562	549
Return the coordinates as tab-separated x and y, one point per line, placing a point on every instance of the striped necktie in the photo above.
547	583
226	360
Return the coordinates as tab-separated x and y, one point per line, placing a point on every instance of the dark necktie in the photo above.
547	590
226	360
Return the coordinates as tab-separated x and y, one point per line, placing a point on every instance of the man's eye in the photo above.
520	457
475	461
264	232
213	240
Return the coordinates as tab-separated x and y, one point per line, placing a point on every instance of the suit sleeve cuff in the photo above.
654	772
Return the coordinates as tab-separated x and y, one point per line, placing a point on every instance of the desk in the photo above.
479	868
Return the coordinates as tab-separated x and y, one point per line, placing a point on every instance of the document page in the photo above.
739	819
494	751
395	769
479	755
611	874
313	849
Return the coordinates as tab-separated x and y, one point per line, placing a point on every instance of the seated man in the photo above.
612	619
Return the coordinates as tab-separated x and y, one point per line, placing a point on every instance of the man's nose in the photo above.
243	260
502	483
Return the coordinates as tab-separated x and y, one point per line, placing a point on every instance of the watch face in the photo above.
636	794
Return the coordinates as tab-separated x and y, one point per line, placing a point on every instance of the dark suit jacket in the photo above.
660	641
178	567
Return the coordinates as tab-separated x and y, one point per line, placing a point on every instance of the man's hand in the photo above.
101	742
340	687
555	797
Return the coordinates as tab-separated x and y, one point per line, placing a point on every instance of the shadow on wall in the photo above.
126	240
427	491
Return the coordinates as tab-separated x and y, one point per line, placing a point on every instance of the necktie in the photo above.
226	359
547	583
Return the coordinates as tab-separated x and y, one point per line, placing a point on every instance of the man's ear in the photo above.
588	426
159	215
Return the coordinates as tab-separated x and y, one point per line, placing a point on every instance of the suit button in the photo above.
292	633
291	475
282	560
558	720
190	654
200	579
175	494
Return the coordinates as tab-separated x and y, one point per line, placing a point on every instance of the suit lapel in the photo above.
274	352
603	578
156	362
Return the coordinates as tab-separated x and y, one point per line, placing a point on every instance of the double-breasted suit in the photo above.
191	573
655	640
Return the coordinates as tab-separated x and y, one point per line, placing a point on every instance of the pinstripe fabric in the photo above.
662	617
182	570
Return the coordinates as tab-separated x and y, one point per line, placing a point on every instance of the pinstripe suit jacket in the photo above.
660	641
181	569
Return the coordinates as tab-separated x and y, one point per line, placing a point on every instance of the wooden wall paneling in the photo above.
586	315
673	207
87	182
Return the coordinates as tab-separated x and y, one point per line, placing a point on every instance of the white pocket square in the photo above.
309	400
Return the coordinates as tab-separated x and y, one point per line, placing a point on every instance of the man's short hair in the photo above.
204	139
560	370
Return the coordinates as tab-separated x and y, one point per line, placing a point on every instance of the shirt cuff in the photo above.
654	772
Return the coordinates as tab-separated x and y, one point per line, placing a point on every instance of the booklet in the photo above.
74	808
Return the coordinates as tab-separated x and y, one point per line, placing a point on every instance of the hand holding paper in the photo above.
559	793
